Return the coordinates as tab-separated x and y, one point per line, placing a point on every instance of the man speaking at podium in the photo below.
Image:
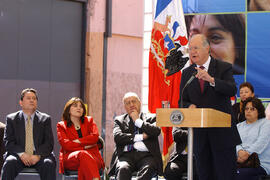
211	86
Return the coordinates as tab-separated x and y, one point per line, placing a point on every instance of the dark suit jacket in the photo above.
14	137
239	116
124	134
180	139
217	97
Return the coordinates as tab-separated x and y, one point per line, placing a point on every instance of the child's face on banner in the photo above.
221	41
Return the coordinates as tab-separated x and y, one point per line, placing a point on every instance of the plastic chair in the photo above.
69	174
29	171
134	176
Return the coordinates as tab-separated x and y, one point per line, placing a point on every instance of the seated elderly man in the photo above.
136	138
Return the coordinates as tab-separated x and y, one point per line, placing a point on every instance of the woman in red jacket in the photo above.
78	137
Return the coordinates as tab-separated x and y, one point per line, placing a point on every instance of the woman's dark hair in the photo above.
248	85
234	23
66	114
248	3
256	103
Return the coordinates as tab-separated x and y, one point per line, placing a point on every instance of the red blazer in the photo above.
66	135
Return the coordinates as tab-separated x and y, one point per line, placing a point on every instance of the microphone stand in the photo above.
190	133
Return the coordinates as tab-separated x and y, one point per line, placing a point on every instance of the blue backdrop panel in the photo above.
213	6
258	48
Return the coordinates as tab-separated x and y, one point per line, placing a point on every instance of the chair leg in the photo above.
63	177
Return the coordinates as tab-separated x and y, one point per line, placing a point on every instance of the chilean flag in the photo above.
168	34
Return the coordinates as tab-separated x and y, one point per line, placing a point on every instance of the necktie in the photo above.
130	146
29	136
186	149
201	81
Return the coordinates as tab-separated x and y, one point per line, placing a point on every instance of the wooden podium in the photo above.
192	118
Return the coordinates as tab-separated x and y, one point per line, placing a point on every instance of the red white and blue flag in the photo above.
168	40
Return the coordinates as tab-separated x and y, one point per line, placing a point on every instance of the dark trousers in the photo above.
250	173
177	167
214	162
13	165
141	162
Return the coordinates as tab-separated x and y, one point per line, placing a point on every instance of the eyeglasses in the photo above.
250	108
193	48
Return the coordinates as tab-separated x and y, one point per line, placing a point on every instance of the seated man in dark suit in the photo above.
177	166
28	140
136	139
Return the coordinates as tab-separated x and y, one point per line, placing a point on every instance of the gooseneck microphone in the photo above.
187	83
191	78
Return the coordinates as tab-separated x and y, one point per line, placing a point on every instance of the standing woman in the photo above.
78	137
246	90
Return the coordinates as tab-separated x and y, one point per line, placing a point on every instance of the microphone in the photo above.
191	78
187	83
